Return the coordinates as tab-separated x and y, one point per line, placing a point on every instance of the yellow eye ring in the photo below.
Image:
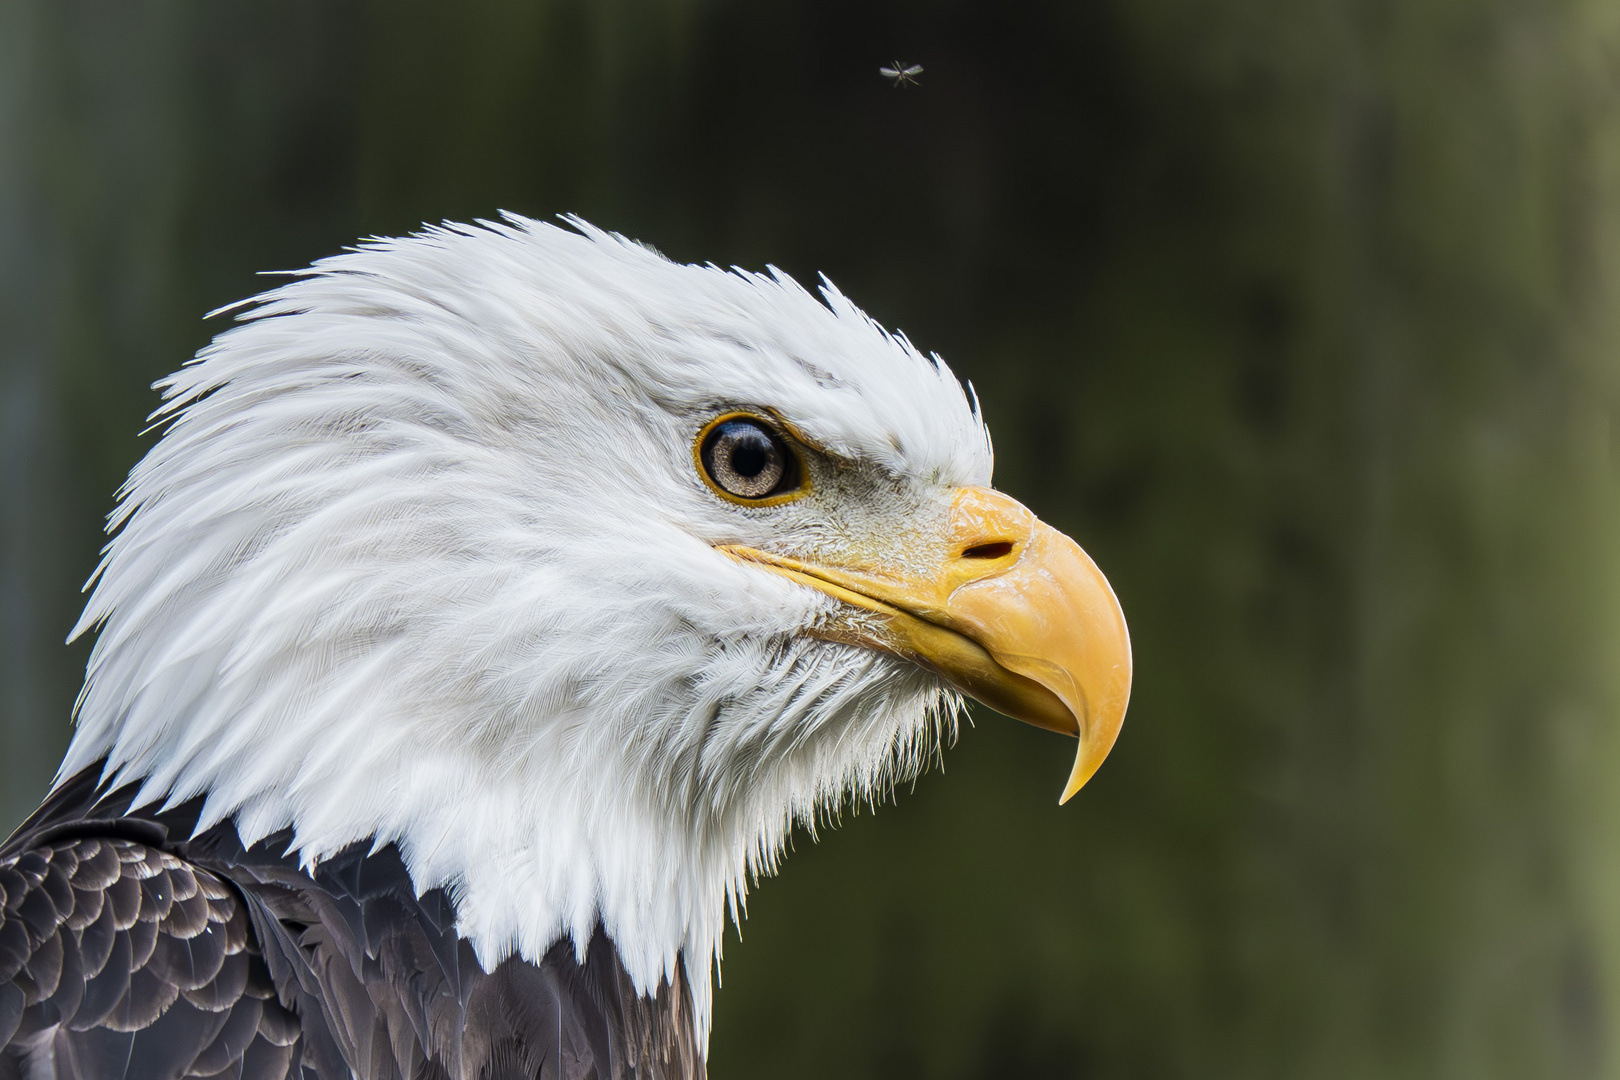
750	460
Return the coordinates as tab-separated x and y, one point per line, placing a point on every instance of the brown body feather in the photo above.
131	949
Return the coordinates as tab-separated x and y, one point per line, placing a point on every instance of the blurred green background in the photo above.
1301	316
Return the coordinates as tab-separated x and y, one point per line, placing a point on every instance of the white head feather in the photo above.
423	557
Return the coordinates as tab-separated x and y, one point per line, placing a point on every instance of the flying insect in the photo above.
901	74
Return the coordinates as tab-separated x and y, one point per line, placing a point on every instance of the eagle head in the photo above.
578	574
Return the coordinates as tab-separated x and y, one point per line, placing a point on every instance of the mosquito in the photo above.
902	74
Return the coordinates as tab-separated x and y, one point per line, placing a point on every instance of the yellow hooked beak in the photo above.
1012	612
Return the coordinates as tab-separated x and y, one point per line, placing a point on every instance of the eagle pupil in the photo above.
749	456
745	458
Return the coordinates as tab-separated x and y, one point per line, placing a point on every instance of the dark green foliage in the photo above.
1301	317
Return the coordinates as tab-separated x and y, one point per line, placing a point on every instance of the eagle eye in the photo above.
747	460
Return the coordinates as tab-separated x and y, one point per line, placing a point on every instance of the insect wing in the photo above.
901	73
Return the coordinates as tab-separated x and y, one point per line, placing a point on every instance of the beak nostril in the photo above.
998	549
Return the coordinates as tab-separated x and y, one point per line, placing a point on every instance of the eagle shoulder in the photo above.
117	959
132	945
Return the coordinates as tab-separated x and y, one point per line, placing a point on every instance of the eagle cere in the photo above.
494	603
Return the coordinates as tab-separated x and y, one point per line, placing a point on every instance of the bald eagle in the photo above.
494	603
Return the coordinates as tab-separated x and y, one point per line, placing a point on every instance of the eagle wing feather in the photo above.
118	959
125	952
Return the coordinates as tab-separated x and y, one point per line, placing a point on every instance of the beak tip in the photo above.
1081	773
1091	754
